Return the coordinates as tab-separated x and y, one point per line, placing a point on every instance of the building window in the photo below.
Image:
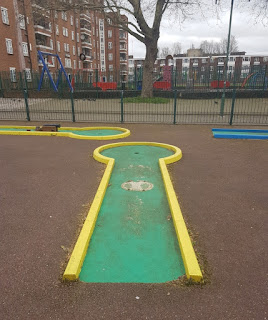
68	63
76	22
25	49
58	46
22	21
265	59
13	74
52	64
56	14
74	64
94	43
51	44
73	50
110	45
9	46
4	15
111	67
66	47
110	33
230	68
211	68
93	31
77	37
28	75
256	59
72	20
78	51
57	30
203	69
64	15
65	32
80	64
185	60
246	59
111	78
110	56
72	35
204	60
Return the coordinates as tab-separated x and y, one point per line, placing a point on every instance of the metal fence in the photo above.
175	106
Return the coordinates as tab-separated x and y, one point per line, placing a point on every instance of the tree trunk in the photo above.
147	81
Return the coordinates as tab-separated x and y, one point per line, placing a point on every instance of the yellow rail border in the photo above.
124	134
191	265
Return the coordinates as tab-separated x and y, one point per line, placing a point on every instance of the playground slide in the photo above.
246	80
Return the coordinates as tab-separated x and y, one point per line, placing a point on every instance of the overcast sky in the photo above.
252	37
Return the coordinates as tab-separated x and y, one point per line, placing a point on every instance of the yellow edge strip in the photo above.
124	134
189	258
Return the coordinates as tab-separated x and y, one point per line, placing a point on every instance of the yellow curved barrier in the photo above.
124	134
188	255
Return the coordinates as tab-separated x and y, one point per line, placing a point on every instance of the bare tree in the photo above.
176	48
220	47
144	20
164	51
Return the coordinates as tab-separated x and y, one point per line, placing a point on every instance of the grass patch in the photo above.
154	100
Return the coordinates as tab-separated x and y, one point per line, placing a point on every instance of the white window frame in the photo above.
110	45
28	75
74	51
4	12
57	30
72	35
77	37
110	34
13	77
72	20
58	46
9	46
25	50
22	21
110	57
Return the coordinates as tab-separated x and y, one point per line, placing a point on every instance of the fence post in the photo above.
122	106
72	103
175	107
264	78
1	87
232	108
25	94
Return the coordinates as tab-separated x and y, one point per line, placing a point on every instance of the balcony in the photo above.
43	42
42	30
123	48
84	16
85	28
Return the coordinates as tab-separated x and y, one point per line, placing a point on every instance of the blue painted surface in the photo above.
252	134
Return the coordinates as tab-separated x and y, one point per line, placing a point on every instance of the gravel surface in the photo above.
47	184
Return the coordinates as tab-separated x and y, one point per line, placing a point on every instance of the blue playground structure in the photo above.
45	69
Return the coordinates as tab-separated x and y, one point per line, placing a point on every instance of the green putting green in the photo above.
134	238
89	133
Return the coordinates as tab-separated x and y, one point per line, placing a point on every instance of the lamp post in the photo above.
227	58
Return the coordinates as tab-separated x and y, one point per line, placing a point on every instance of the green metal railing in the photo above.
22	101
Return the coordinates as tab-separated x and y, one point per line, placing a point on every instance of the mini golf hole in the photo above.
136	152
137	186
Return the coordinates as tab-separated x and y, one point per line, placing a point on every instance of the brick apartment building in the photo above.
27	26
203	67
